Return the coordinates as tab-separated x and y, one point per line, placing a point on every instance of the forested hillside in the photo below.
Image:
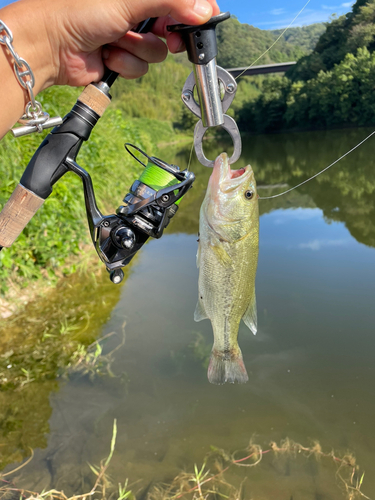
240	44
331	87
305	37
344	35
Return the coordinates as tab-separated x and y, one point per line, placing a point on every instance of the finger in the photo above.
184	11
144	46
159	28
174	40
124	63
175	43
215	7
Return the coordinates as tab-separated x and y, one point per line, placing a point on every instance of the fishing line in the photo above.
316	175
191	152
275	42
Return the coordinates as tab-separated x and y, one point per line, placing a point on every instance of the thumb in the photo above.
183	11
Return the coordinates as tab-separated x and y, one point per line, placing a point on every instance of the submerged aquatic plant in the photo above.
202	483
91	361
201	349
53	337
102	488
51	334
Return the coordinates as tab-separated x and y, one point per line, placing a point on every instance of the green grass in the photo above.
59	230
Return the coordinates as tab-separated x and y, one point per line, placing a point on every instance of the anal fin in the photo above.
250	316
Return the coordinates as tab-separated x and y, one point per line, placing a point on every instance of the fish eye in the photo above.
249	195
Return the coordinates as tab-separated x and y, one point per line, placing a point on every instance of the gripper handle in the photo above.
48	163
17	213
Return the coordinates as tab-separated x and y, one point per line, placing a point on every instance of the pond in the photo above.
311	365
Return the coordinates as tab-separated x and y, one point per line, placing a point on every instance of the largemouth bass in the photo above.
227	260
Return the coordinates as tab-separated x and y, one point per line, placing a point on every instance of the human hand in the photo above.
70	41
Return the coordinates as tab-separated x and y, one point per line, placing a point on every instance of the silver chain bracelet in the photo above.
34	118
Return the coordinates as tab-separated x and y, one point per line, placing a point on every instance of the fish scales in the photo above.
227	260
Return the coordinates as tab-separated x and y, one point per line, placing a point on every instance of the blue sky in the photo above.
274	14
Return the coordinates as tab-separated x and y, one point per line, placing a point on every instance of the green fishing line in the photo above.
157	178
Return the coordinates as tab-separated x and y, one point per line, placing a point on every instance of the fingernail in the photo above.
105	54
202	8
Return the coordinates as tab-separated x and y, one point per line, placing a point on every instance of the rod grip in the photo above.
16	214
95	99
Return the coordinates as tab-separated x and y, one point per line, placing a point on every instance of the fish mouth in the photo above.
228	180
233	174
227	174
233	177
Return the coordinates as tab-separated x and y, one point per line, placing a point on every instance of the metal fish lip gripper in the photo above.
216	87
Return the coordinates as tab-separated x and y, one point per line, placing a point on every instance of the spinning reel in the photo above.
148	207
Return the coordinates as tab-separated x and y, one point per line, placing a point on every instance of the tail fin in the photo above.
223	369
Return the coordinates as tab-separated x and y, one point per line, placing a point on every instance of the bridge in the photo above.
262	70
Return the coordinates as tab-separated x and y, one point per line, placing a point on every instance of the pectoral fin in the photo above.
250	316
198	252
220	252
200	312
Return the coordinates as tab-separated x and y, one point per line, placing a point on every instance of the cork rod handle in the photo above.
95	99
16	214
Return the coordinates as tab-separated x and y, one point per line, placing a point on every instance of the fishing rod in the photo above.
153	199
148	207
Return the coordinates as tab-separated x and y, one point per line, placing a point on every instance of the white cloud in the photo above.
309	16
347	4
277	12
284	216
319	244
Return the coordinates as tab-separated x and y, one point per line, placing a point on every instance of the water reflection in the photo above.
344	193
37	345
311	365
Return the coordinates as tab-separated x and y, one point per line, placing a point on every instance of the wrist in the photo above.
31	41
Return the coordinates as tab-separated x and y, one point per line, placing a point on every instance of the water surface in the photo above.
311	365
